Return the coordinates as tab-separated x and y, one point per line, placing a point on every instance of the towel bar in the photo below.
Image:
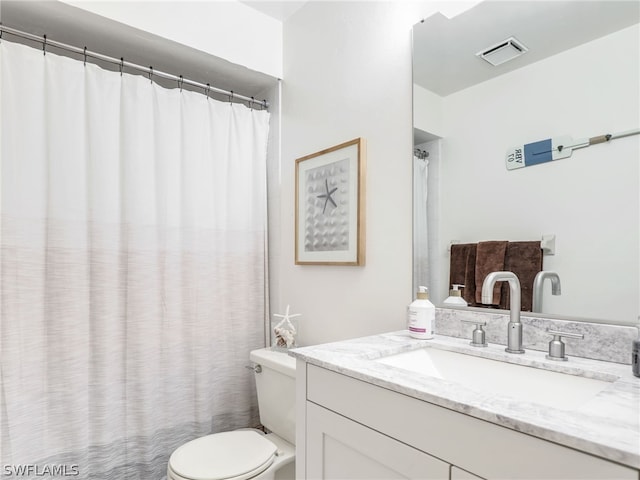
547	244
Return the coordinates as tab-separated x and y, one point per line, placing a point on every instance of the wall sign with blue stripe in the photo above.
550	149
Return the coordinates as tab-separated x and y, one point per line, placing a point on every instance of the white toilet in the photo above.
249	454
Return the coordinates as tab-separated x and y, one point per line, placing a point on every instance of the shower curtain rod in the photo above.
122	63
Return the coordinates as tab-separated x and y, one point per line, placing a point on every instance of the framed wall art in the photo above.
330	206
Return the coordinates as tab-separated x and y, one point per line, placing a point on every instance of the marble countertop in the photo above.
607	425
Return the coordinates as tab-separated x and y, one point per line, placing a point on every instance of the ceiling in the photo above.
278	10
445	49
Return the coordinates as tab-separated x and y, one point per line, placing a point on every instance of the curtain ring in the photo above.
180	82
251	103
85	56
264	103
231	98
44	45
206	92
121	65
150	74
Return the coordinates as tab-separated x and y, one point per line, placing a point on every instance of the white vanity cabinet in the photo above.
351	429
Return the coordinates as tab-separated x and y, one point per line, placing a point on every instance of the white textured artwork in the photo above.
327	208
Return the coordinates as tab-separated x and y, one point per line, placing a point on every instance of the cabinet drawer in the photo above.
488	450
338	448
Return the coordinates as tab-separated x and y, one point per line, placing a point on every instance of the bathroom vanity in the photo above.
389	406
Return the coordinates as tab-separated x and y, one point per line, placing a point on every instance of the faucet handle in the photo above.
556	346
478	334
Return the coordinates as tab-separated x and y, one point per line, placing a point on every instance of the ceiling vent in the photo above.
503	52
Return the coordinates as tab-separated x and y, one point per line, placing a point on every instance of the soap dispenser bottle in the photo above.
455	296
421	315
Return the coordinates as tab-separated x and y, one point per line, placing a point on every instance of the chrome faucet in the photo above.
537	288
514	328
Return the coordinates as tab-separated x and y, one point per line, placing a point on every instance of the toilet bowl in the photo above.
248	453
237	455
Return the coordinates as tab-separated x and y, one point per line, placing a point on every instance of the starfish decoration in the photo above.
285	331
328	195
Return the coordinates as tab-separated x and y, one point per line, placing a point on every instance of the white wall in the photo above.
347	74
590	200
427	111
227	29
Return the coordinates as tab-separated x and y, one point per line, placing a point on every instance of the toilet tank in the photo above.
276	389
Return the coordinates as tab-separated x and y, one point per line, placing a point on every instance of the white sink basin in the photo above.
558	390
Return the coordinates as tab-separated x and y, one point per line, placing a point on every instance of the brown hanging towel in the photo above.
490	257
462	269
525	260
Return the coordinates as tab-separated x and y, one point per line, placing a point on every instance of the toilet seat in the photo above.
237	455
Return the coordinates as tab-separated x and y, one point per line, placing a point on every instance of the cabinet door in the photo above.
457	474
339	448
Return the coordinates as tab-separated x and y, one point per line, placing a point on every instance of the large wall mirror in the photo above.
579	76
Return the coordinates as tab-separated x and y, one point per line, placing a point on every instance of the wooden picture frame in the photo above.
330	206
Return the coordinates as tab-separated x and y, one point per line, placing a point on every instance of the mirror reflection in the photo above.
567	72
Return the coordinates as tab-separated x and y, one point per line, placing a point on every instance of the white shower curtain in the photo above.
132	238
420	231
